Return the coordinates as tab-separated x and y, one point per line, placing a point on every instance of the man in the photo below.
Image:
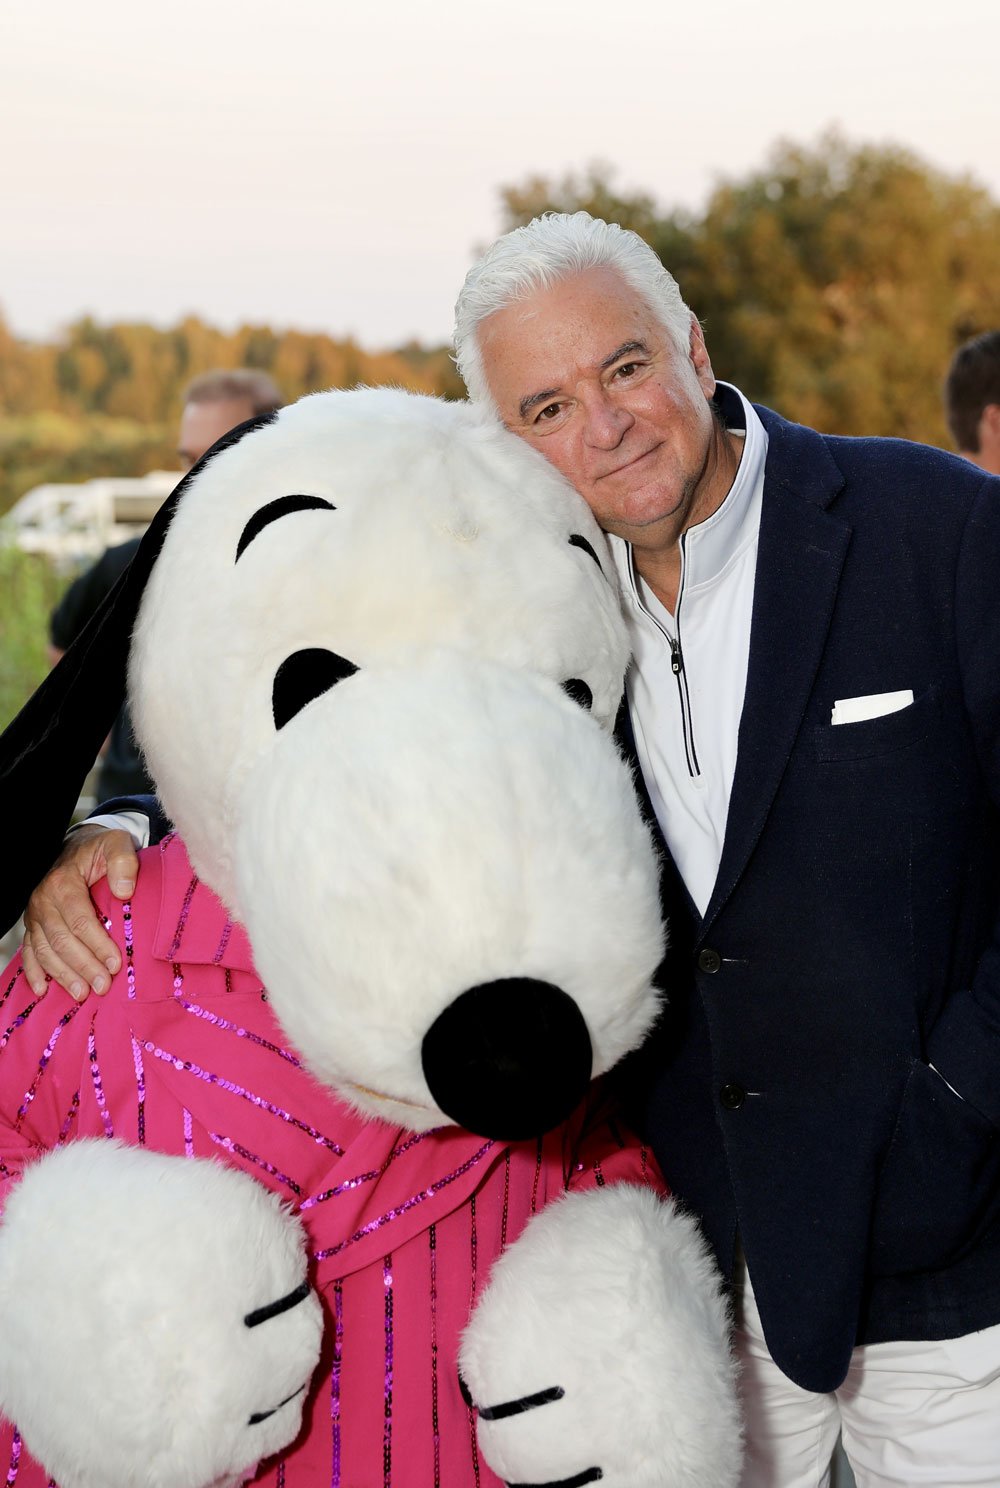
972	401
814	709
213	404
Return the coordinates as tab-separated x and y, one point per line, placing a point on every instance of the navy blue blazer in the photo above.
851	939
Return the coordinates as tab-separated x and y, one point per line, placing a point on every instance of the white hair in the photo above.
553	247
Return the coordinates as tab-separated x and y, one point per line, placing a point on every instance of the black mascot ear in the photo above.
47	751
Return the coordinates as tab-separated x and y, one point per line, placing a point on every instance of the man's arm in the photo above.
64	937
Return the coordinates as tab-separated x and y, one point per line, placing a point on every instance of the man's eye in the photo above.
548	413
627	369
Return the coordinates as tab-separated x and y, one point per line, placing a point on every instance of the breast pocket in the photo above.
877	736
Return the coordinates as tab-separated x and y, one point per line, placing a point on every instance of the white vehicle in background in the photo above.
73	523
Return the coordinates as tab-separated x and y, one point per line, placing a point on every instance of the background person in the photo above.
214	403
972	400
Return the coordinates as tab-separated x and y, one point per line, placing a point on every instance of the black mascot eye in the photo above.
576	541
303	676
579	692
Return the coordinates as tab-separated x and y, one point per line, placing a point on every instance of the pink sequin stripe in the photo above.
251	1157
11	985
538	1174
140	1092
188	1133
95	1075
129	955
227	1026
506	1204
74	1107
387	1398
360	1178
473	1260
21	1018
15	1457
220	949
279	1477
175	944
189	1067
435	1419
404	1208
338	1358
30	1093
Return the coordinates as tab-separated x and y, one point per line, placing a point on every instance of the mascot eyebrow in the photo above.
272	511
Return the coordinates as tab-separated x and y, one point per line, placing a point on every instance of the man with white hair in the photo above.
814	713
814	709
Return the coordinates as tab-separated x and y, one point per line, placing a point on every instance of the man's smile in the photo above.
630	464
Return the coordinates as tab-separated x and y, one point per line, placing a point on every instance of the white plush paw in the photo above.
600	1351
157	1323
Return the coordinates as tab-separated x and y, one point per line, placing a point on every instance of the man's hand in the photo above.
63	937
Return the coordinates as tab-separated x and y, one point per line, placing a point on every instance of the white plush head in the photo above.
350	679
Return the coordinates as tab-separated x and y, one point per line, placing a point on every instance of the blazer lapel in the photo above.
799	560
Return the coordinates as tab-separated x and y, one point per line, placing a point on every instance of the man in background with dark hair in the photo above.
214	403
972	400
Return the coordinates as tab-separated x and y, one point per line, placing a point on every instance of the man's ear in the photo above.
698	352
989	423
987	456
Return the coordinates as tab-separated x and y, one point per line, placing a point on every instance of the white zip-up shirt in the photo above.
687	680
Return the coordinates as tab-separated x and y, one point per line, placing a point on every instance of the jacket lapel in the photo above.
799	560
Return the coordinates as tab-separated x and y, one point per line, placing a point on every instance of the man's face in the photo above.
203	423
586	374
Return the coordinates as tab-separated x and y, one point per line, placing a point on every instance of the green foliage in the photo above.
40	447
30	588
834	283
105	400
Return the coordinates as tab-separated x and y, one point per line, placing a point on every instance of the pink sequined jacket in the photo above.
183	1055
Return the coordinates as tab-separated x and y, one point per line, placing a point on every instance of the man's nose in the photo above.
607	422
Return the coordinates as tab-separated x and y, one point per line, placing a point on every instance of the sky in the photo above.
335	166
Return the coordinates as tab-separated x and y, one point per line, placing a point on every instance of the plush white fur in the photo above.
611	1295
444	817
124	1357
472	824
448	532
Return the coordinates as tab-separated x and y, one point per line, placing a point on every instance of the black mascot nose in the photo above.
509	1059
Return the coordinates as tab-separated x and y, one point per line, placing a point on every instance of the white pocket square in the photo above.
875	705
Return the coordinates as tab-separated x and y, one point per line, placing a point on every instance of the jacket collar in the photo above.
800	556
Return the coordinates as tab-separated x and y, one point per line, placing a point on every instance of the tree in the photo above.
834	283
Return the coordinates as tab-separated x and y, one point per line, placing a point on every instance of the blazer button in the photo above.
709	961
732	1097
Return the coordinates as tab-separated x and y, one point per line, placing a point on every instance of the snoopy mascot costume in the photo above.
324	1191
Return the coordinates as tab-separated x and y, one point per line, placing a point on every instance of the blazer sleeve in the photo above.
147	806
964	1045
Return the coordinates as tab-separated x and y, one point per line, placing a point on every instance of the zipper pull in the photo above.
676	660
